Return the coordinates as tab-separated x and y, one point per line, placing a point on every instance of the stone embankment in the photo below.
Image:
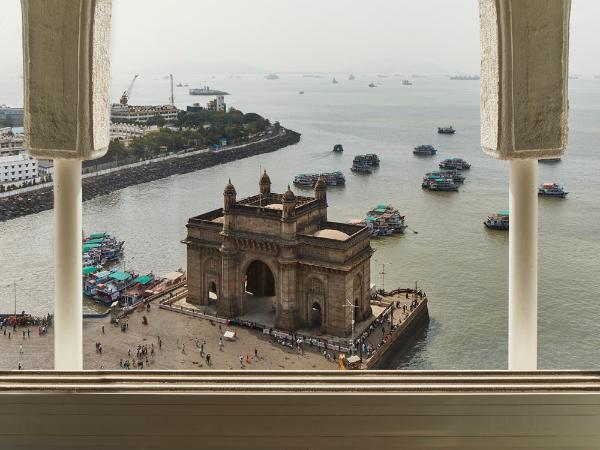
42	199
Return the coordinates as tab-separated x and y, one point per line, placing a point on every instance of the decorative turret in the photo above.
289	203
229	196
265	184
321	190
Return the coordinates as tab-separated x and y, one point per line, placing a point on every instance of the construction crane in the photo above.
127	93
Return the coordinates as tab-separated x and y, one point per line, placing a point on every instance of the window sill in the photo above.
383	409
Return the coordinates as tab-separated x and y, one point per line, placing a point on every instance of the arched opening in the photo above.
213	294
260	301
316	316
260	281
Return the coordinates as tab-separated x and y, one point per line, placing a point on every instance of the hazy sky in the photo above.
304	35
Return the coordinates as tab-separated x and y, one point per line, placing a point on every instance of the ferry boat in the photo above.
334	81
454	164
424	150
550	160
310	179
272	76
384	220
301	92
338	148
439	184
206	91
365	163
406	83
100	249
113	287
498	221
372	85
446	130
453	175
551	190
91	279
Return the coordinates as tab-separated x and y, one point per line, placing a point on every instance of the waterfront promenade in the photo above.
178	334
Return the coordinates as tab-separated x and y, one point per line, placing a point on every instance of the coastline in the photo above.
32	202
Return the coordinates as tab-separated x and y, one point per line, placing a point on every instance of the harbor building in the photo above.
141	113
277	255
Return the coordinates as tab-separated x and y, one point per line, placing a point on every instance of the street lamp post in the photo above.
351	305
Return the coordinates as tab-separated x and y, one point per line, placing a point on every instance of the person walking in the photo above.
241	362
221	343
255	352
102	329
208	359
20	349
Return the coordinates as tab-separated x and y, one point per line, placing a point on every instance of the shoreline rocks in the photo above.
33	202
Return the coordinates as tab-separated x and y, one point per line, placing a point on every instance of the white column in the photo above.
67	114
524	107
522	265
68	343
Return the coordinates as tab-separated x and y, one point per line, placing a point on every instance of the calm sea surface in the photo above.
459	263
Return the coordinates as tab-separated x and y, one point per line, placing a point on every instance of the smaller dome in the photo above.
331	234
264	179
289	196
229	189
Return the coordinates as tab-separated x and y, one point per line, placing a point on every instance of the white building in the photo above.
125	132
121	112
17	168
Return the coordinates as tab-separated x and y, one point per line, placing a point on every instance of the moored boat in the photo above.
338	148
453	175
446	130
309	179
365	163
113	287
439	184
454	164
424	150
551	190
406	83
383	220
497	221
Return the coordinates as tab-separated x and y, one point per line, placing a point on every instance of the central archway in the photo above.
260	281
259	290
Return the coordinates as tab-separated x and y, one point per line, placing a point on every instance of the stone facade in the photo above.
280	246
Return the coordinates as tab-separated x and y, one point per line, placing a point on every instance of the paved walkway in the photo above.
178	333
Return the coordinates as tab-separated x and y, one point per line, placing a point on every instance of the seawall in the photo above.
22	204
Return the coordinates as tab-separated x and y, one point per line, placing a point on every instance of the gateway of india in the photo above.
278	253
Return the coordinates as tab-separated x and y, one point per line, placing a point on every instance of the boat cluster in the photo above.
383	220
101	249
310	179
448	178
108	285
